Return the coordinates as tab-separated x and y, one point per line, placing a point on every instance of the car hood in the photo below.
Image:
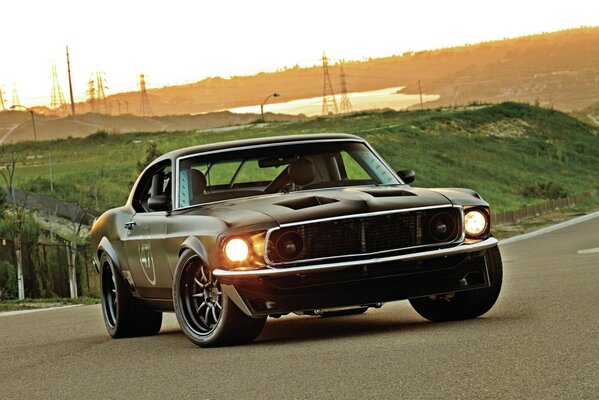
324	203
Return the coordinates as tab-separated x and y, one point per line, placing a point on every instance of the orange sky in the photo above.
182	41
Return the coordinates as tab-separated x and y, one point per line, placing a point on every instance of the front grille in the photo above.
355	236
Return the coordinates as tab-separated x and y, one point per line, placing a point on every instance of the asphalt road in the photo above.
540	341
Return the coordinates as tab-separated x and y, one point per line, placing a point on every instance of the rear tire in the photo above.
207	316
468	304
124	315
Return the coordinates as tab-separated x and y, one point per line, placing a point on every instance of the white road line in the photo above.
552	228
589	251
10	313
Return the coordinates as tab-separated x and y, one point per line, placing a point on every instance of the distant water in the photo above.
382	98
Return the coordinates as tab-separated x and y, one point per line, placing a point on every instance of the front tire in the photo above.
124	315
468	304
207	316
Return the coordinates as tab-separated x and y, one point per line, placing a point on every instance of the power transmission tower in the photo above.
326	84
101	94
91	95
15	98
2	99
345	103
145	109
57	101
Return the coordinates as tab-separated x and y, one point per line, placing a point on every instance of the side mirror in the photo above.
407	175
159	203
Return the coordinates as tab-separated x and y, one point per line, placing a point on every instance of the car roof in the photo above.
173	155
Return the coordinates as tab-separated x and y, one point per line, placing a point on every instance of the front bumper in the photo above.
358	282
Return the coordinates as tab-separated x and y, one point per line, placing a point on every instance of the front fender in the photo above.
193	243
105	246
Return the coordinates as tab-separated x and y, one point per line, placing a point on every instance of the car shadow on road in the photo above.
317	328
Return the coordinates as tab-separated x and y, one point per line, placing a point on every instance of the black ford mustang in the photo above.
228	234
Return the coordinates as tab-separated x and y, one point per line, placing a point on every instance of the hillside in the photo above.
559	69
499	150
589	114
16	126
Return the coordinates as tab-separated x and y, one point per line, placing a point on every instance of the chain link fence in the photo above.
45	270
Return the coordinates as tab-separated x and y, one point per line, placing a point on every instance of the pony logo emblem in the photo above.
147	262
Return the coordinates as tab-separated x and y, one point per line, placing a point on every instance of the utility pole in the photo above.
420	91
345	103
2	100
326	84
70	83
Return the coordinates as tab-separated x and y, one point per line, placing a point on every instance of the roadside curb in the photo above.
11	313
551	228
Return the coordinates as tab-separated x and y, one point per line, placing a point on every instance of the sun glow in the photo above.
185	41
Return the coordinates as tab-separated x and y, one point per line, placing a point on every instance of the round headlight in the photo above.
475	223
290	245
237	250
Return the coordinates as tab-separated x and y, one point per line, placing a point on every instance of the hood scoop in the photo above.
306	202
388	193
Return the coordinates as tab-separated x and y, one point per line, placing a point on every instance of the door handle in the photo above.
130	225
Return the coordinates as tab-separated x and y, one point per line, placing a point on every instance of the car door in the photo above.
145	242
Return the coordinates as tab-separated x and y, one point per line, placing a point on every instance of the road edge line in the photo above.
552	228
20	312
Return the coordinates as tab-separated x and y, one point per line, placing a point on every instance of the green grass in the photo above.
494	149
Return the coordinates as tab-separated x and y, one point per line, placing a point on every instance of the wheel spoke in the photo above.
207	315
204	274
214	314
218	305
200	284
198	294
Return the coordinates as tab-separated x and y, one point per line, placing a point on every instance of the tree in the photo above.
17	222
78	203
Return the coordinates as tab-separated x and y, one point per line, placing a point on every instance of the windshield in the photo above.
279	168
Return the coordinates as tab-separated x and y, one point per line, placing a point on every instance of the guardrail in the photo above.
535	210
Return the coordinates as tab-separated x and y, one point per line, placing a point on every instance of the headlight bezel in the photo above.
254	258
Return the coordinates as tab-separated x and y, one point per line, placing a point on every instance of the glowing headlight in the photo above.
237	250
475	223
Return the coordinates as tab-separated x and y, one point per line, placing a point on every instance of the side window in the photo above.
352	168
156	181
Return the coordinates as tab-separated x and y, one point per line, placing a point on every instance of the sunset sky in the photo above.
184	41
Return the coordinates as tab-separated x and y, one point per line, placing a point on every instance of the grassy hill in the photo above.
557	68
503	151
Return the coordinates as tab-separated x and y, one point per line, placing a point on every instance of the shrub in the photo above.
8	281
543	190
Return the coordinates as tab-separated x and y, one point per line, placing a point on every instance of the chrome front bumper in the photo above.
450	251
